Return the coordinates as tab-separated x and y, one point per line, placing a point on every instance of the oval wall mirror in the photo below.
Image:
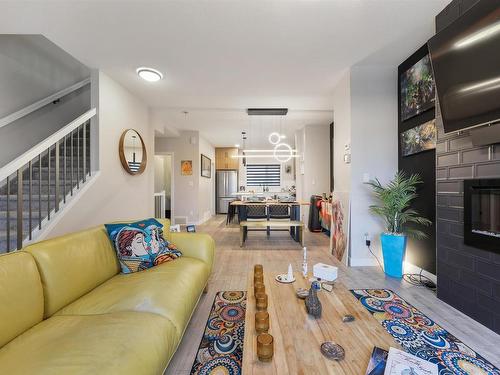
132	152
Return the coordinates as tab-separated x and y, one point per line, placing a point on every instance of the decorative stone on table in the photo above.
348	318
332	351
313	304
302	293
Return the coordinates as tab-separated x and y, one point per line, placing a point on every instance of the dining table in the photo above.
294	210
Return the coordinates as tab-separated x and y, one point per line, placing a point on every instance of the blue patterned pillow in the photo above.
140	245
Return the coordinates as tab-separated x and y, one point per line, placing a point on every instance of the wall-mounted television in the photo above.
465	59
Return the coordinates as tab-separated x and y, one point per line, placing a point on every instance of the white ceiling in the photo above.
220	57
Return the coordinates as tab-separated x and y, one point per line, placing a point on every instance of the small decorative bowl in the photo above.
332	351
302	293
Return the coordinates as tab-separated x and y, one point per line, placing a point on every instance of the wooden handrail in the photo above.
42	103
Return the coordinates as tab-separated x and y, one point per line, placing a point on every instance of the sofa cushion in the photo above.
140	245
21	295
120	343
200	245
73	265
171	290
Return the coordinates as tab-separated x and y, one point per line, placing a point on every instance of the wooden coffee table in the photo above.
297	336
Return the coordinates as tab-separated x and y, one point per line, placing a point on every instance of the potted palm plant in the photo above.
394	208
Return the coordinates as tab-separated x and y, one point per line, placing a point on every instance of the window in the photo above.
263	174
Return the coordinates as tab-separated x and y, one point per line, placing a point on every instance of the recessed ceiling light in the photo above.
149	74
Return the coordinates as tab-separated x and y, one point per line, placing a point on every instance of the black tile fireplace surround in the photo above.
482	213
468	276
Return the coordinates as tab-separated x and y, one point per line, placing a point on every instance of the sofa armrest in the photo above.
195	245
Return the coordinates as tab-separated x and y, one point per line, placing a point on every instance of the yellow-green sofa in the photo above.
65	308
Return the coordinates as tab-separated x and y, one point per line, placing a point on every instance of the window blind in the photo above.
263	174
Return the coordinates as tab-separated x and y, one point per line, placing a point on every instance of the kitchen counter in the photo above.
269	202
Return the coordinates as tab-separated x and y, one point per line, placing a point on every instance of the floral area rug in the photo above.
221	347
421	336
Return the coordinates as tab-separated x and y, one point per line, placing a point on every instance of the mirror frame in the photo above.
122	154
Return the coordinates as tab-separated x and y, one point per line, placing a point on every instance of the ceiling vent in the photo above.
267	111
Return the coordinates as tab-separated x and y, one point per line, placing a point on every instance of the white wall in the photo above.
365	112
193	194
206	193
32	68
115	194
159	166
313	142
26	132
316	160
342	133
299	163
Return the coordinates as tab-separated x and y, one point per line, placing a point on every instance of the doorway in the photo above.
164	182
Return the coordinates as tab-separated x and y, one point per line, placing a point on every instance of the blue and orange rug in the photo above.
221	347
421	336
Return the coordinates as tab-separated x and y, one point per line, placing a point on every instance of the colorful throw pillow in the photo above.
140	245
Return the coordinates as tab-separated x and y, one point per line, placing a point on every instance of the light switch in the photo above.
366	177
191	183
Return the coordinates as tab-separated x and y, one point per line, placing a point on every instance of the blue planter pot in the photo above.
393	250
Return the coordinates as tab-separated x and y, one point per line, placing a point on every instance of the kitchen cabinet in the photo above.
224	158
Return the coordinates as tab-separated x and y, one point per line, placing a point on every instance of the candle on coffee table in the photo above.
262	321
259	288
265	347
261	301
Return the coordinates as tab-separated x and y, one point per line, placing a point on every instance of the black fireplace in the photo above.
482	213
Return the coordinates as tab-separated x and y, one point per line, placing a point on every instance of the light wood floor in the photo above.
233	263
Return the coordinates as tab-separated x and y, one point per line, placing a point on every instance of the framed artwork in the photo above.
339	227
186	167
419	138
206	166
417	89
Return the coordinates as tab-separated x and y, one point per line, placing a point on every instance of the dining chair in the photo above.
278	212
231	211
256	212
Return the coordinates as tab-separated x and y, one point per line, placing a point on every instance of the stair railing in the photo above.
23	167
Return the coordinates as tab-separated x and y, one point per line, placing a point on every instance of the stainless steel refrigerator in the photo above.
227	187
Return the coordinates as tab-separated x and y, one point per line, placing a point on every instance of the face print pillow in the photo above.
140	245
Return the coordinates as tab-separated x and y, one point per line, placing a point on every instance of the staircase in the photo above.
35	187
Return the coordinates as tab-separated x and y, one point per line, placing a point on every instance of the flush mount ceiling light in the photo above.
149	74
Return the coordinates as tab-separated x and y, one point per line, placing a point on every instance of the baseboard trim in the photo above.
362	262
